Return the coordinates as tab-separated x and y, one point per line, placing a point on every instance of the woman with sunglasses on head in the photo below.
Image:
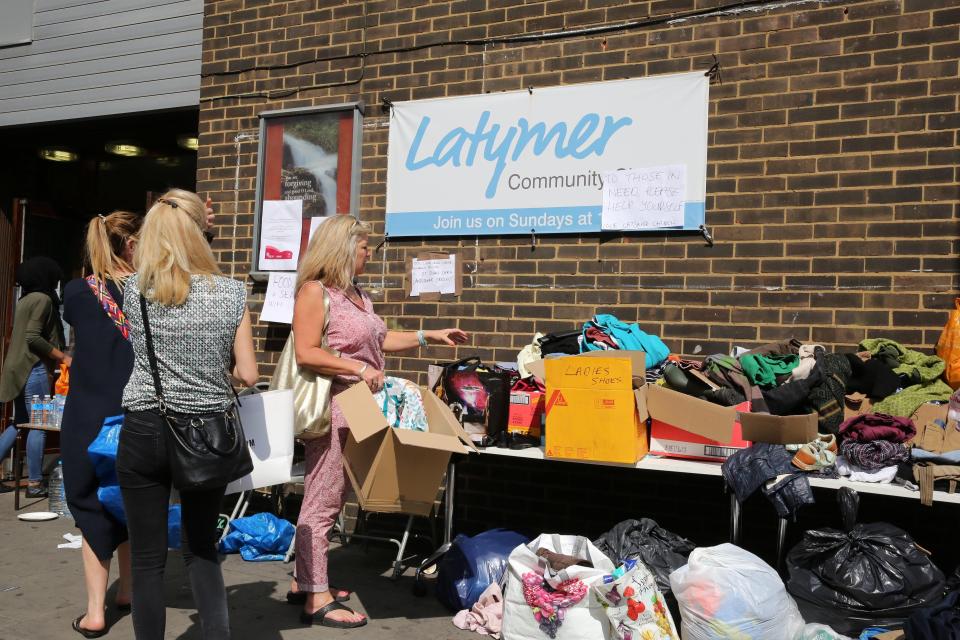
102	362
200	335
336	255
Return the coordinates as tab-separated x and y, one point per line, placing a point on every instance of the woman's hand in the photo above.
450	337
373	378
67	360
211	216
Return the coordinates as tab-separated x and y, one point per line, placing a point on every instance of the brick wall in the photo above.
832	197
832	182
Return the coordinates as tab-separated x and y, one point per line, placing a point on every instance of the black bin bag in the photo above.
662	551
867	575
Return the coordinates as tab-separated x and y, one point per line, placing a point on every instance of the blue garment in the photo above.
37	384
630	338
947	457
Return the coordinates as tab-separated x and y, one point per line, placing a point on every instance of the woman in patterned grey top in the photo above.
201	328
193	342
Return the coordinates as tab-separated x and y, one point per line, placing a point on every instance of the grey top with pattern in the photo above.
193	343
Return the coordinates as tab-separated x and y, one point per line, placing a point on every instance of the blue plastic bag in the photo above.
259	538
473	564
103	455
103	450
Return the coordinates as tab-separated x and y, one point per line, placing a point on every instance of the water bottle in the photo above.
60	404
35	410
56	493
48	410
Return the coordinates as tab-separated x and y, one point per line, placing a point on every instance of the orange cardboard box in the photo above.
593	411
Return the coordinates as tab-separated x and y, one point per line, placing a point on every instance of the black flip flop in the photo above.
87	633
300	597
320	617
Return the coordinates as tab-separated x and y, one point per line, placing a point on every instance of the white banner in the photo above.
522	162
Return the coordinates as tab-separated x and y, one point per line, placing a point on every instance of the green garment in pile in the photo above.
928	369
763	370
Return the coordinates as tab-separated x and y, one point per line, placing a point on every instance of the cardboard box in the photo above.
763	427
398	470
682	426
526	412
593	411
637	358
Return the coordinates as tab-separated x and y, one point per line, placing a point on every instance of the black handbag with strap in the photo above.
204	450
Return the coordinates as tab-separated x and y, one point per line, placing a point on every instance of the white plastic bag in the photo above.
634	604
820	632
727	593
580	617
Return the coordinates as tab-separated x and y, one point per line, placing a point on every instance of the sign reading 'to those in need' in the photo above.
522	162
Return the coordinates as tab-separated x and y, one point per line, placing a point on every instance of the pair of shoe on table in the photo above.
816	455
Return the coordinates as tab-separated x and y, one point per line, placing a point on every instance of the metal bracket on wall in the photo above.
714	71
533	240
386	104
707	236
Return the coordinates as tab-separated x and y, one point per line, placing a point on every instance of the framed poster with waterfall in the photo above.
308	168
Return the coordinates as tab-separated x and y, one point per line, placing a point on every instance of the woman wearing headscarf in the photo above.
36	348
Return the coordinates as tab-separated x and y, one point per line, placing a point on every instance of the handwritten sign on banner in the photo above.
278	303
638	199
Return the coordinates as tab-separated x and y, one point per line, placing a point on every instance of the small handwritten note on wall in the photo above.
651	198
433	276
278	303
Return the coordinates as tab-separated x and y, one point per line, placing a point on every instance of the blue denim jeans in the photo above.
37	384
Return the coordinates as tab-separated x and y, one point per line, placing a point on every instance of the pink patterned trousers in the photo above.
325	489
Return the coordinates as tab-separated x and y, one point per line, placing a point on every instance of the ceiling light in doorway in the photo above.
58	155
124	149
188	142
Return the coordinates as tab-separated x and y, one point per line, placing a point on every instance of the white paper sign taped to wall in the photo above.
281	225
278	303
648	198
434	276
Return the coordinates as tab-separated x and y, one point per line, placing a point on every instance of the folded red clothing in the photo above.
878	426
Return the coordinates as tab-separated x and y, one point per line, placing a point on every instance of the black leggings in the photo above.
145	483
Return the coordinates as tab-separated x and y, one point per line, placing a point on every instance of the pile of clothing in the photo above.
793	378
604	332
934	452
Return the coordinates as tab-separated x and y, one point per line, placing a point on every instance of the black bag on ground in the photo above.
567	343
662	551
868	575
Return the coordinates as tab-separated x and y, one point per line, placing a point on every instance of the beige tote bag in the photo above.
311	390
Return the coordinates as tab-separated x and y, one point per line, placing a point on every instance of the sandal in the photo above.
300	597
814	456
320	617
88	633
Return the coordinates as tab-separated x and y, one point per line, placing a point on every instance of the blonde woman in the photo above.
201	332
102	362
336	255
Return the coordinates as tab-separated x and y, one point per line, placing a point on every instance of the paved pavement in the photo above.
41	592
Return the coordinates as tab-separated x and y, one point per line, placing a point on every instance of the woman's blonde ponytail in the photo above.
107	238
